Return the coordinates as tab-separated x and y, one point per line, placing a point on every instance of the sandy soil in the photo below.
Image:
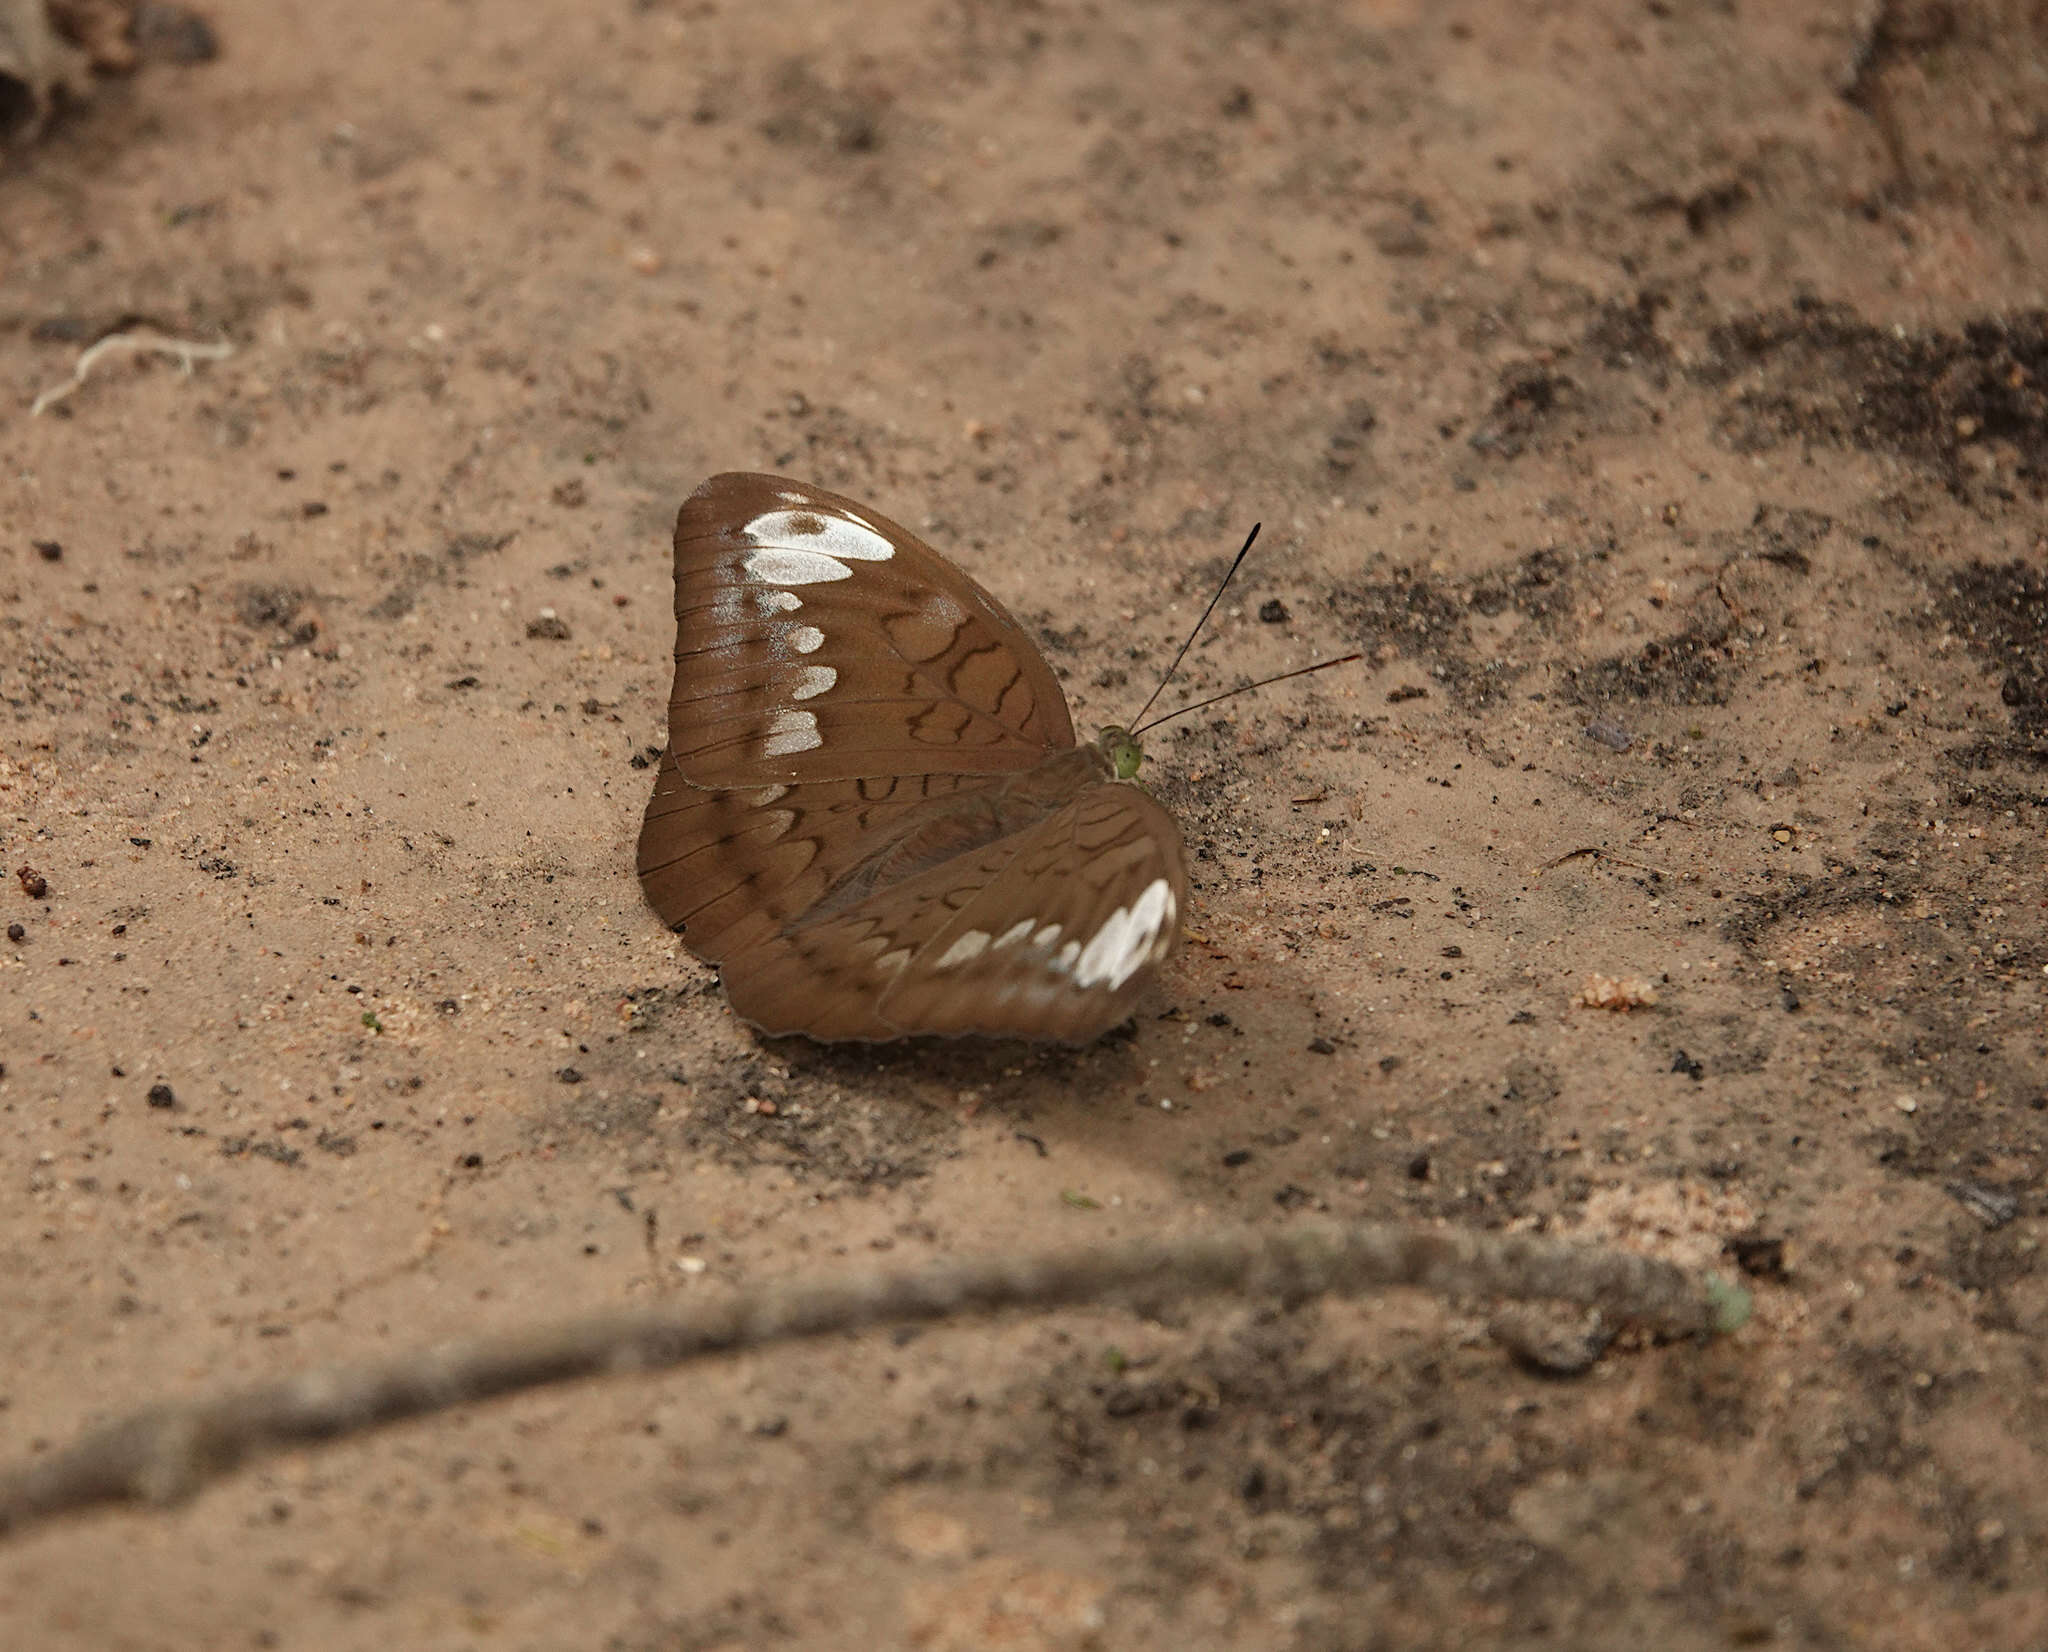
1657	392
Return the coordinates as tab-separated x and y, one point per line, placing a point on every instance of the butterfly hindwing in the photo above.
1051	932
726	866
818	640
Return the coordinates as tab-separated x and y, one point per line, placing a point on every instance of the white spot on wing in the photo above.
971	945
739	604
891	963
1046	936
805	639
1016	932
845	537
812	681
792	731
777	566
1128	938
1068	953
767	795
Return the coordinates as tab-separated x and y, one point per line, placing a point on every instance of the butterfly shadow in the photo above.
968	1071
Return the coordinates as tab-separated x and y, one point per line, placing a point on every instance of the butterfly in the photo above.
873	815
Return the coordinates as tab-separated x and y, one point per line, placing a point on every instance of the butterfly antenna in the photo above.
1139	720
1233	693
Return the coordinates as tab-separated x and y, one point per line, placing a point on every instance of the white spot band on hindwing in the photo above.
805	639
971	945
1131	937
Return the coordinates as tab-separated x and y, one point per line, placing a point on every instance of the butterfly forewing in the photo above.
1050	932
818	640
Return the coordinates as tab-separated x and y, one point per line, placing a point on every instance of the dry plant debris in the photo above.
167	1453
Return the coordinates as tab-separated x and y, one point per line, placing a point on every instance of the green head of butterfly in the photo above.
1121	747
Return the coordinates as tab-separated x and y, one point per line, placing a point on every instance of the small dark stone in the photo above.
1321	1046
1217	1018
16	934
548	628
1454	952
313	507
772	1428
50	550
1237	1156
171	34
1273	611
33	883
1405	693
568	1075
1757	1256
161	1095
1418	1168
2012	691
1693	1068
1549	1342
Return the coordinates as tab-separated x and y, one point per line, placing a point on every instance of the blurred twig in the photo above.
186	350
167	1453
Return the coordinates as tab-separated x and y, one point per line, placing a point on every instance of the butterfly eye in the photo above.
1123	751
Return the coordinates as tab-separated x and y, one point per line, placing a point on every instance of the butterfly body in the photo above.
873	814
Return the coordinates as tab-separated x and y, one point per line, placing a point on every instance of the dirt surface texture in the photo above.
1656	392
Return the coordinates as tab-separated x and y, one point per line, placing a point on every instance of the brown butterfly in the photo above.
872	815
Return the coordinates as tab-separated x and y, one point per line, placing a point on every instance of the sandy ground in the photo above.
1658	393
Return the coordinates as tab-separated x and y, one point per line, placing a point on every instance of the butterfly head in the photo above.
1121	747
